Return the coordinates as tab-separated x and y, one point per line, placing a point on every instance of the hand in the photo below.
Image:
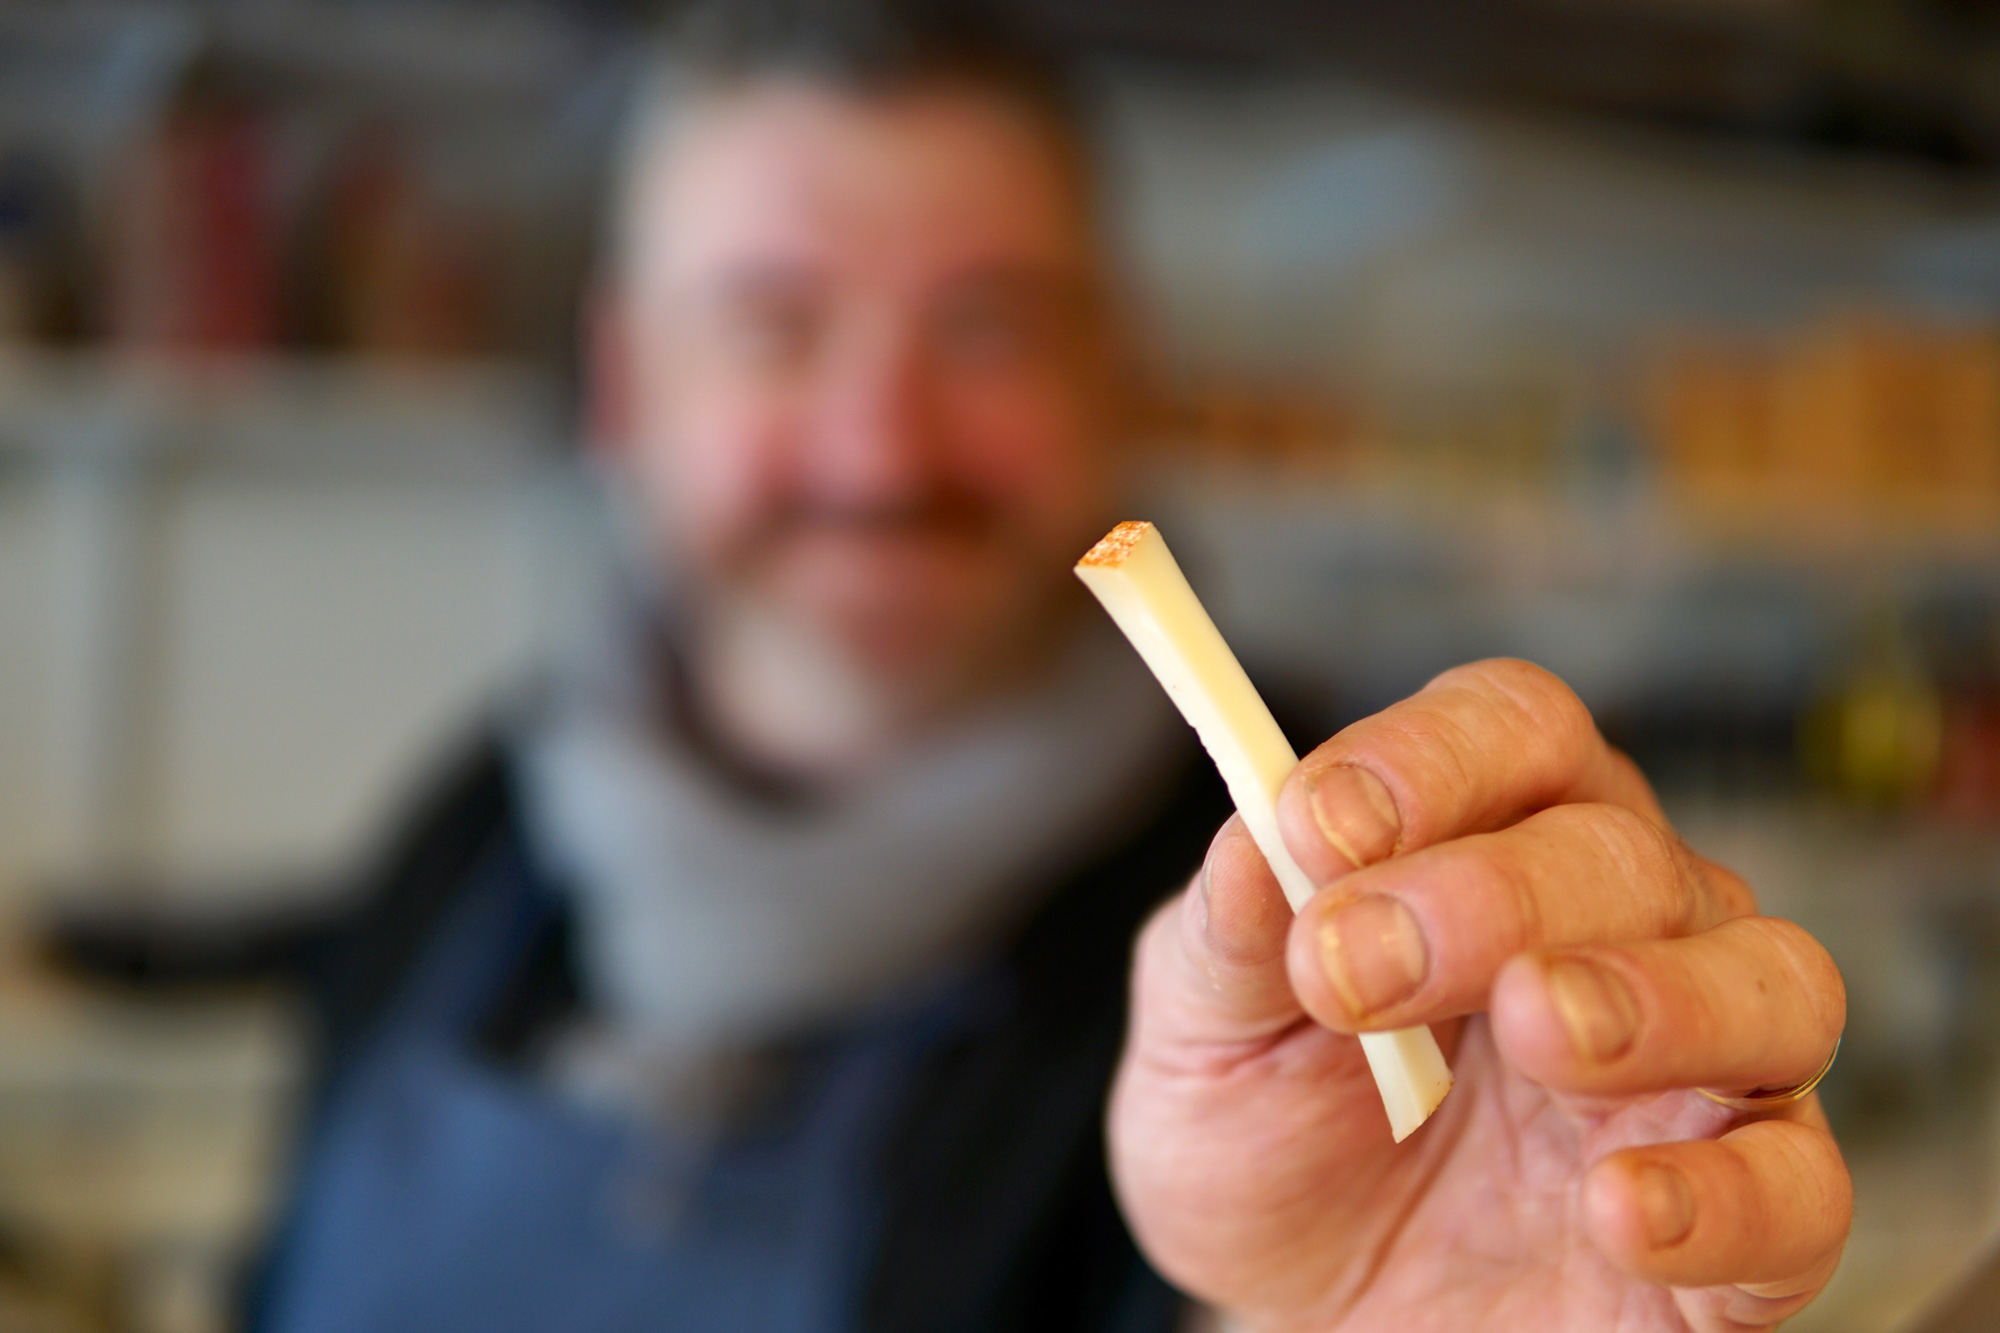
1491	866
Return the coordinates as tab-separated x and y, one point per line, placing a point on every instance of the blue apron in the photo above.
443	1193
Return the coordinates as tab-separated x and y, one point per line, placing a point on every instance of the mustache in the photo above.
932	516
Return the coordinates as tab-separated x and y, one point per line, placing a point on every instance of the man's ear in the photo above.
609	378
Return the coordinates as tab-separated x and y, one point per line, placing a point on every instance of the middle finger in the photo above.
1421	938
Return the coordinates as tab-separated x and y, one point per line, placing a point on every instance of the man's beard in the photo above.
841	632
910	593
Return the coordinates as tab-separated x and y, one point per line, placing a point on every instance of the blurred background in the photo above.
1657	341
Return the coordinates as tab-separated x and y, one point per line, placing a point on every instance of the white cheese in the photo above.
1137	579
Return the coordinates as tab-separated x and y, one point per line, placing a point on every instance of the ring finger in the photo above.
1754	1002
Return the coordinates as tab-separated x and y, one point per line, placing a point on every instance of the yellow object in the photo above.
1876	738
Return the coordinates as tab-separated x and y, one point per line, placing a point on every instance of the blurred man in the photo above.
768	969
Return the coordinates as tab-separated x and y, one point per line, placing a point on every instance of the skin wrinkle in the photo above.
1515	1158
1544	1119
1755	1217
1647	854
1438	1147
1606	772
1448	744
1735	1309
1238	950
1793	1144
1212	949
1710	889
1800	967
1700	1023
1789	1290
1528	727
1518	880
1614	778
1202	907
1662	851
1568	714
1537	1116
1223	1059
1528	735
1300	1190
1738	897
1520	1120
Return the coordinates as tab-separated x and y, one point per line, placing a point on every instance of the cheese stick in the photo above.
1136	578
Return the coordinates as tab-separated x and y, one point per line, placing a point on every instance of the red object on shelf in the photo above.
1967	786
411	273
195	236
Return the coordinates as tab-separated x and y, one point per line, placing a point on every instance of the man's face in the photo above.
863	371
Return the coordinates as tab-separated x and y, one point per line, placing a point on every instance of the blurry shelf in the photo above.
490	51
1371	585
124	1121
333	417
1563	524
1905	527
103	444
458	55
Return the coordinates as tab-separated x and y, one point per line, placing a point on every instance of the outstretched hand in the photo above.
1489	865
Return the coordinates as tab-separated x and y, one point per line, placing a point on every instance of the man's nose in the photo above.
875	441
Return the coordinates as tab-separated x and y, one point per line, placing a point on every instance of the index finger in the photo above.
1477	749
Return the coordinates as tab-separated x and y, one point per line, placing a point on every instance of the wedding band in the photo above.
1764	1099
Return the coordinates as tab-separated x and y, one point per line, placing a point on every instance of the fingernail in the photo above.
1667	1204
1201	893
1374	953
1355	813
1595	1006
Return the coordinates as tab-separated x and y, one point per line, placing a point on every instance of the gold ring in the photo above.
1764	1099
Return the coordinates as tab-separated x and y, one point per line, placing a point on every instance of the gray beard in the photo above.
712	923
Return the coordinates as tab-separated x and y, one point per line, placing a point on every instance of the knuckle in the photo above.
1536	691
1626	784
1466	721
1650	861
1422	747
1448	751
1510	878
1542	708
1731	893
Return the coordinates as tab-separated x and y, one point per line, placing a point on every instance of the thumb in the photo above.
1211	963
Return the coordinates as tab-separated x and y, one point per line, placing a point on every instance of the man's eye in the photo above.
771	339
988	335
